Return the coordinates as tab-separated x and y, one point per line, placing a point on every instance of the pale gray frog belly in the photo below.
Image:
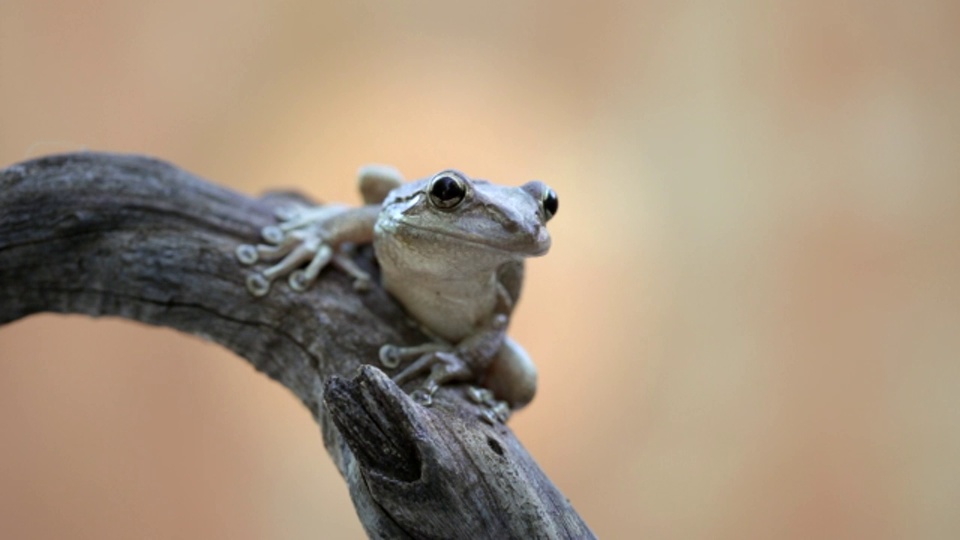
449	310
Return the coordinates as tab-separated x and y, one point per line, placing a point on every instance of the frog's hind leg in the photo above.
445	367
512	376
391	356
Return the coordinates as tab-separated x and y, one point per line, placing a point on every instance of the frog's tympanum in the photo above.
451	251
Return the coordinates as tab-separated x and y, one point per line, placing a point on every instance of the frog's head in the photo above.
451	214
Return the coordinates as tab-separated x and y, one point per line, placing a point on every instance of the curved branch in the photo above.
134	237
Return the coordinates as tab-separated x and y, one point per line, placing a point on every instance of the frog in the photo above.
451	251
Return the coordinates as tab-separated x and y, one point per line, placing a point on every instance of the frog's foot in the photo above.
343	260
300	280
444	367
299	240
391	356
494	410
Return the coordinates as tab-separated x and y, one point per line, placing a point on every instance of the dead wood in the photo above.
134	237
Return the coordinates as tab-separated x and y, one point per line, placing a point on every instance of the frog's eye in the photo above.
550	203
446	191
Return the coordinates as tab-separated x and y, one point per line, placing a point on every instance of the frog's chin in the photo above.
539	245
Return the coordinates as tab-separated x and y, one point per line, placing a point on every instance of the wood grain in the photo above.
134	237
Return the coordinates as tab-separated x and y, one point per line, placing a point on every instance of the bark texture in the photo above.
134	237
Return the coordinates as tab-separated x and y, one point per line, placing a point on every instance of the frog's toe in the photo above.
390	356
479	395
247	254
272	234
258	284
287	212
488	416
361	279
298	281
422	396
493	410
362	284
502	411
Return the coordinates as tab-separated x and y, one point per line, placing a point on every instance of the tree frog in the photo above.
451	251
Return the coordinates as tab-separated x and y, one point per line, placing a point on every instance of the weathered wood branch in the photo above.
129	236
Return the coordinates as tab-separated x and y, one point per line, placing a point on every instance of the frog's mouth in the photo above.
493	237
527	248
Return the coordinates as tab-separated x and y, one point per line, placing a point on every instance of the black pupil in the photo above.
551	203
446	189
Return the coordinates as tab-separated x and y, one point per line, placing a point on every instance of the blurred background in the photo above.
748	326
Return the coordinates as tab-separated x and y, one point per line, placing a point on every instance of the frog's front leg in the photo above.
307	239
305	242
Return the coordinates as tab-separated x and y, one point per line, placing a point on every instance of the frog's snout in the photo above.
536	225
543	240
524	227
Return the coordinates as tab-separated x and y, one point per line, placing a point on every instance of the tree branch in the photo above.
134	237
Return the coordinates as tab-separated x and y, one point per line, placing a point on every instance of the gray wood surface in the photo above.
134	237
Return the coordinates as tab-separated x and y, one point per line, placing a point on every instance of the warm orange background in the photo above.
748	325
